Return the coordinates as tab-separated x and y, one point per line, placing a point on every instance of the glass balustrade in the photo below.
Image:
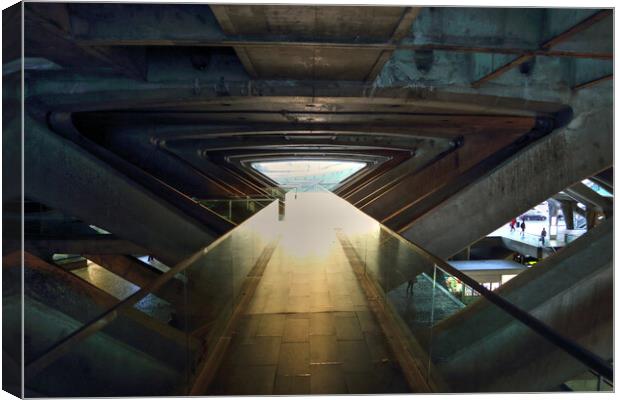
150	342
156	340
444	311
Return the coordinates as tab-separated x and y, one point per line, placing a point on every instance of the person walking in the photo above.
542	236
513	224
410	286
523	228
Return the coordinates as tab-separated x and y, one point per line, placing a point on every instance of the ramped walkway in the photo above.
308	329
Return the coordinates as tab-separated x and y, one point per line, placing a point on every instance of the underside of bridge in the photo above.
152	132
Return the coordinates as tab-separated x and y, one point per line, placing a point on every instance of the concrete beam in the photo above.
62	123
137	147
400	32
593	82
93	244
350	187
545	46
606	178
48	34
199	25
81	300
142	275
590	196
100	93
383	182
568	155
62	175
388	205
268	140
242	185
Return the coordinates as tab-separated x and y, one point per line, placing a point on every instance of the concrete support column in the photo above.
567	210
591	216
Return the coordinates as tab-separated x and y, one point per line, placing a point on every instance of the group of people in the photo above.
515	224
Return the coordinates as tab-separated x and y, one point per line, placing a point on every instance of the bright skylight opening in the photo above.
307	174
597	188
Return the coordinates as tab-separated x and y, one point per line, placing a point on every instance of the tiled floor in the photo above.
308	330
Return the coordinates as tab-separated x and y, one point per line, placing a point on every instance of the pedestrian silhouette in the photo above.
522	228
542	236
410	285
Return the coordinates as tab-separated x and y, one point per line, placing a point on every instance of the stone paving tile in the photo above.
245	332
338	288
342	301
301	277
377	347
308	330
368	322
222	379
280	292
298	304
348	328
359	296
294	359
280	281
300	289
318	287
321	309
257	305
391	378
320	302
327	379
354	356
271	325
288	385
296	330
384	378
265	350
307	316
364	383
344	314
324	349
265	287
250	380
276	305
322	324
319	275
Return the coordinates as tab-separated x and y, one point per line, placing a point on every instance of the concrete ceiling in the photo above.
431	97
311	23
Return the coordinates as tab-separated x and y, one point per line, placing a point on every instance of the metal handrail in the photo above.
585	356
